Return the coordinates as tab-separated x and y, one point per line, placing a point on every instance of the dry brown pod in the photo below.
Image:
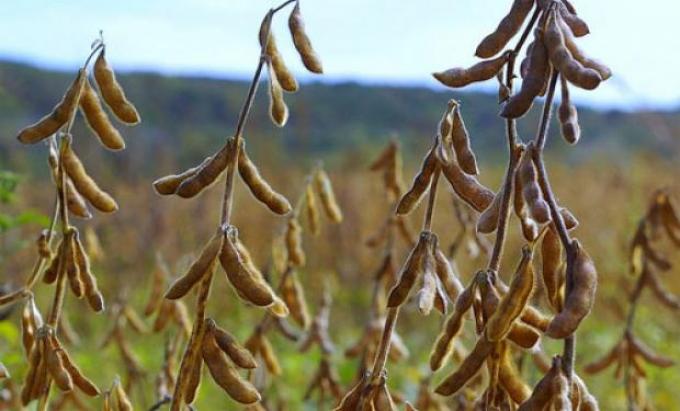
259	187
578	302
587	401
514	301
606	360
236	352
296	254
444	343
278	110
543	391
535	73
122	399
74	201
294	297
79	379
204	264
55	366
82	181
507	28
225	375
269	357
242	274
466	186
70	263
350	401
662	294
113	93
531	190
447	276
324	188
31	321
302	43
55	265
90	289
59	116
467	369
283	74
569	40
562	59
460	141
34	365
98	120
412	268
421	183
568	116
530	228
385	157
636	346
510	378
574	22
312	211
208	172
488	220
461	77
551	256
168	185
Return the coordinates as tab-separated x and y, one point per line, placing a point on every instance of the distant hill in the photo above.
184	117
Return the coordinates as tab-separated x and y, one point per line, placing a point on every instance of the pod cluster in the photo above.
48	360
553	48
630	354
280	77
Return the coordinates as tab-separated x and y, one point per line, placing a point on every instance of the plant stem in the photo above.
60	291
427	222
512	138
507	187
225	216
556	217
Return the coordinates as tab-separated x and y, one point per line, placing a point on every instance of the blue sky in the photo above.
375	41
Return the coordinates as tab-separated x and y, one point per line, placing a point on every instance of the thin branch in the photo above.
556	217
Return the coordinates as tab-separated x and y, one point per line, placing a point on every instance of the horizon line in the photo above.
307	78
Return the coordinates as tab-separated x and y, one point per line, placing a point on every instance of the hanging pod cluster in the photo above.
502	316
370	396
630	353
645	256
280	77
80	187
426	263
72	261
48	360
553	48
193	181
68	266
241	271
504	319
81	94
505	323
226	247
